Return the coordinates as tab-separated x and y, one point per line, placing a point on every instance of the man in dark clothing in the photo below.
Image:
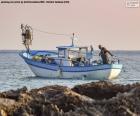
104	54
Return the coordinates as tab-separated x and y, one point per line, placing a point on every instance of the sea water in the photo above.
15	73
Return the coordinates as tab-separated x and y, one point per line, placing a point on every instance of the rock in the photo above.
7	102
63	97
3	113
92	99
103	89
124	104
13	94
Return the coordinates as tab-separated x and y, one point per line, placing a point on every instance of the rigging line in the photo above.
52	32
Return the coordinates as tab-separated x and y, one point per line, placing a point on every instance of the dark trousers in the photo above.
105	59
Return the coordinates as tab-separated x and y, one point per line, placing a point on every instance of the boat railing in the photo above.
60	61
73	61
115	60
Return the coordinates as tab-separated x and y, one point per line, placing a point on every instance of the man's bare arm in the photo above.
110	53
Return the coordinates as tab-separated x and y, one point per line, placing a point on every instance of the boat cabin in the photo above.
68	52
73	55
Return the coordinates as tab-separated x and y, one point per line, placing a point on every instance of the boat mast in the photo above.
27	36
73	36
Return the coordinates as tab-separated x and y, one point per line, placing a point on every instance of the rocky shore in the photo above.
93	99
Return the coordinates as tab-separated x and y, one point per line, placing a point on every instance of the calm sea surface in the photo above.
15	73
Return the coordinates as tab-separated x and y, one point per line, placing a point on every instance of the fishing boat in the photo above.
70	61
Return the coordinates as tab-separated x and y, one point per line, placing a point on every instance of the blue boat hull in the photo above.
100	72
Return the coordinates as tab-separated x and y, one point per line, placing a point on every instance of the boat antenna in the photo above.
27	36
73	36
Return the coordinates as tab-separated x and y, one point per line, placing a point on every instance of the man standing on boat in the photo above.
104	54
27	36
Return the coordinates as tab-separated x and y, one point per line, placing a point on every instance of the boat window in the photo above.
61	53
77	53
73	53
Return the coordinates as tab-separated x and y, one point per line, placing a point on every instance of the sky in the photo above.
109	23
